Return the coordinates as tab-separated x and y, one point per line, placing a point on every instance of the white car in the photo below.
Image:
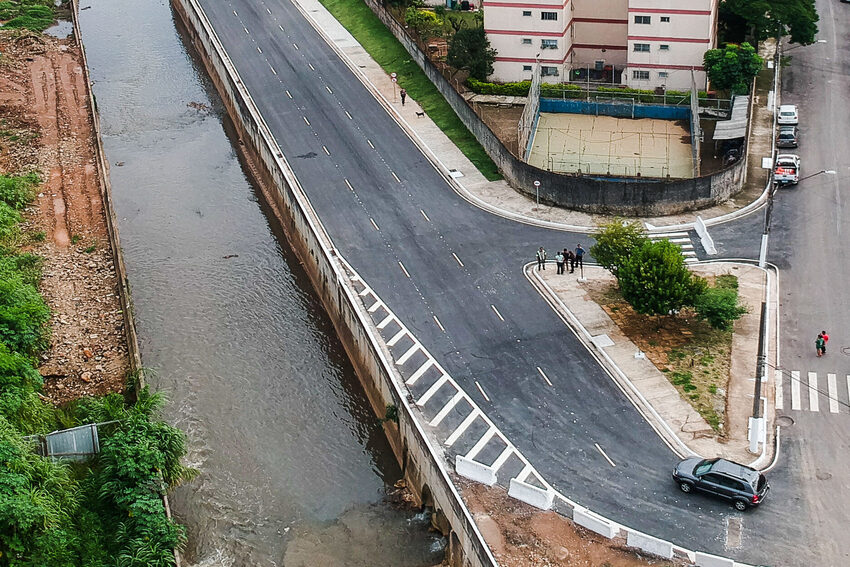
787	114
787	169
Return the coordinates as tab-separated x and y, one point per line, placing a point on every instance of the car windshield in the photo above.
786	134
704	466
787	113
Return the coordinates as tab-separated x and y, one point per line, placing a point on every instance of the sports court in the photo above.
607	145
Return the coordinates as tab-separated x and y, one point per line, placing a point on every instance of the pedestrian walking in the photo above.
541	259
825	340
570	259
403	94
579	256
820	345
559	262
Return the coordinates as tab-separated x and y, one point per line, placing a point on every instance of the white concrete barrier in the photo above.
594	523
704	237
538	497
650	544
708	560
474	470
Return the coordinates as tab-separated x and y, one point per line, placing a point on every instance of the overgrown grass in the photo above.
383	47
35	15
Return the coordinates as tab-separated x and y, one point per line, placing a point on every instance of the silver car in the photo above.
787	137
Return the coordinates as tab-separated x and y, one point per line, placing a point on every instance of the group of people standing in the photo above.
820	343
562	259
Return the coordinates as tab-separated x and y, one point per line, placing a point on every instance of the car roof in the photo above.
788	107
787	127
792	157
736	470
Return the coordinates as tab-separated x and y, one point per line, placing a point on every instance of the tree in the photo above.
616	241
470	49
655	279
767	18
720	307
732	67
425	22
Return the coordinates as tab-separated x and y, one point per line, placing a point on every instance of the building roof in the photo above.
736	126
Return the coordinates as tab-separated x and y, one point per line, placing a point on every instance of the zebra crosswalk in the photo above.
811	391
680	239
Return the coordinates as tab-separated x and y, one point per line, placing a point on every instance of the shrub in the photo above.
616	241
23	315
18	191
720	307
19	401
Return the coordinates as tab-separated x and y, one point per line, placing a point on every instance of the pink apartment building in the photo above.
639	43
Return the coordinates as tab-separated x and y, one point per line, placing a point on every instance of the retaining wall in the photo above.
422	464
602	195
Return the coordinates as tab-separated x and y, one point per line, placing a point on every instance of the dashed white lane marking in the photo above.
349	116
280	26
832	384
395	338
424	215
496	311
795	390
371	220
418	374
497	464
440	325
347	182
540	370
260	51
481	442
326	150
480	389
607	458
288	93
813	391
458	259
473	415
386	321
235	14
296	46
403	269
371	145
432	390
328	89
305	120
396	176
310	65
446	409
777	381
246	30
272	68
269	11
406	356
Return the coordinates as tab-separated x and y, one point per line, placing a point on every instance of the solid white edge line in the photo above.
441	415
540	370
450	440
480	389
607	458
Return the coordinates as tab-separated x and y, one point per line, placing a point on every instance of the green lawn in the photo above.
359	20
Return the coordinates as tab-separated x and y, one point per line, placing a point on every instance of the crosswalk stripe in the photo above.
813	391
777	380
795	390
832	383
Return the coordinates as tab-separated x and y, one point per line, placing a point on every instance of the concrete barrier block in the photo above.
537	497
594	523
650	544
708	560
474	470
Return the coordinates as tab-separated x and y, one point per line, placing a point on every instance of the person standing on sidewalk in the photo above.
570	259
403	94
825	340
579	256
559	261
820	345
541	259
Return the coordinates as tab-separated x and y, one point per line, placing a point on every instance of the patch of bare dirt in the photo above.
46	127
520	535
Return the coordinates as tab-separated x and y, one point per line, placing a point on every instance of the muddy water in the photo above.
295	470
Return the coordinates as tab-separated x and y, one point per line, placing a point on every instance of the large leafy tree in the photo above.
766	18
470	50
616	241
732	67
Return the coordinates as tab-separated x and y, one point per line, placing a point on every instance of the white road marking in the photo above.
432	390
540	370
480	389
269	11
246	30
446	409
260	51
288	94
497	464
272	68
371	220
496	311
375	306
235	14
403	269
523	474
396	337
795	390
280	26
329	89
366	291
410	352
481	442
296	46
458	259
396	176
418	374
311	66
386	321
813	391
305	120
607	458
473	415
347	182
326	150
424	215
777	380
349	116
832	384
370	143
440	325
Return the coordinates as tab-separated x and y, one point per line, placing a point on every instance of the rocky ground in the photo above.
45	126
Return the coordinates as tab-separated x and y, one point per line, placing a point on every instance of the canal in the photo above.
295	469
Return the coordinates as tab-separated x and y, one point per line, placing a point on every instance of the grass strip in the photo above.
385	49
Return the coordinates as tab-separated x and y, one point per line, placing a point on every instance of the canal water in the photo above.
295	469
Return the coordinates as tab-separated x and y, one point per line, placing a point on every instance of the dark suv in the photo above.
742	485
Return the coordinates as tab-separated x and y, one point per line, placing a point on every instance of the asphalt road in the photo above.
400	225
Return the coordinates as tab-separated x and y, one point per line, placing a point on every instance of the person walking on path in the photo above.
403	94
825	340
820	345
579	256
541	259
570	258
559	261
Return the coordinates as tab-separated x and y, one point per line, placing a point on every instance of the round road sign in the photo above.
537	184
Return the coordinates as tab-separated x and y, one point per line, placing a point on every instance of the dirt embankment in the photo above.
45	126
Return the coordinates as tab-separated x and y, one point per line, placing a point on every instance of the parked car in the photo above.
787	169
787	137
788	114
744	486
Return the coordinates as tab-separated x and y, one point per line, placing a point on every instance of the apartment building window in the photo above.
642	47
643	19
526	12
549	71
549	16
665	19
549	44
663	74
526	41
664	47
526	67
640	75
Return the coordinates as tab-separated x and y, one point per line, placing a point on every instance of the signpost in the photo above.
394	78
537	193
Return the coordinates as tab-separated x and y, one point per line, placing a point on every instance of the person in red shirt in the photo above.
825	340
